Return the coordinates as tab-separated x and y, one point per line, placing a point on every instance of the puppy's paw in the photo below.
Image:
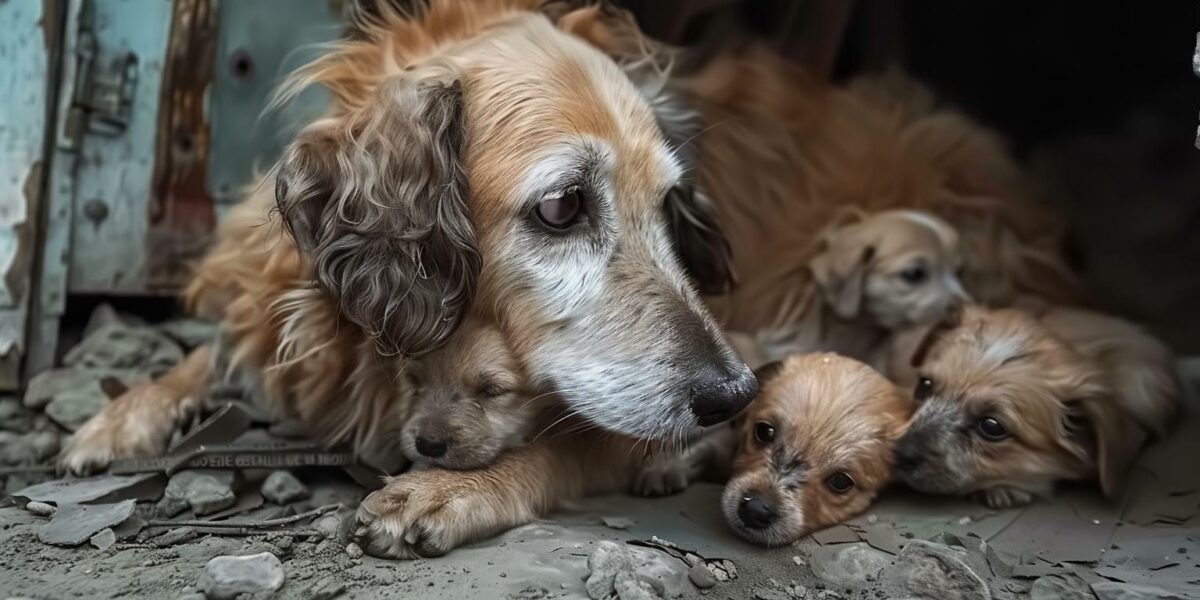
425	514
134	424
1005	497
662	476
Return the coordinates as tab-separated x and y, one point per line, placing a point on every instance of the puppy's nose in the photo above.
718	393
431	446
755	512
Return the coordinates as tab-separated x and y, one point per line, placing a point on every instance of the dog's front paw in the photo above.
662	475
425	514
1005	497
130	425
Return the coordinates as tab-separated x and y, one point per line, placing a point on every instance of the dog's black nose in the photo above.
755	512
718	394
430	446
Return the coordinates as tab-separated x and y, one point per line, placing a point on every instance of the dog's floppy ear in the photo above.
768	371
377	203
1107	435
841	273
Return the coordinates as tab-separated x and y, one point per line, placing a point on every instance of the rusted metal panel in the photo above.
181	215
24	90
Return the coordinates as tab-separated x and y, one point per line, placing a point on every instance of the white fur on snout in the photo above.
789	506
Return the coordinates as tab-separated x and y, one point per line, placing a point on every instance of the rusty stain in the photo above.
182	215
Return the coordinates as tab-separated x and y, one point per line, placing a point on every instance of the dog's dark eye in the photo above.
763	432
561	212
492	390
914	275
839	483
924	389
991	429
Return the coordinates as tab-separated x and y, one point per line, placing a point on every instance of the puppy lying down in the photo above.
812	450
1010	402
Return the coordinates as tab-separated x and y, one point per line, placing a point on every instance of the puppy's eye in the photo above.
924	389
914	275
561	212
991	429
839	483
764	432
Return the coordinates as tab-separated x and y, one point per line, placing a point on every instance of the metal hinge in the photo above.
103	88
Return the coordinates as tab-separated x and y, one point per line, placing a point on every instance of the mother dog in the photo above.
475	158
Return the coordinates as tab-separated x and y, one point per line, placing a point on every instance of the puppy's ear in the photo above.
841	273
951	321
767	372
1107	436
377	203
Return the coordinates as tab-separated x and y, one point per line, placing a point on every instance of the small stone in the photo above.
71	396
799	561
104	540
603	564
930	570
14	416
964	521
206	492
44	445
225	577
328	525
353	551
848	565
701	577
40	509
281	487
617	522
872	519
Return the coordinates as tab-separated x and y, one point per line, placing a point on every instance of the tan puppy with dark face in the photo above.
1010	403
472	403
816	447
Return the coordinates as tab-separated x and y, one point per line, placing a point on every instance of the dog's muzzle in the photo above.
717	393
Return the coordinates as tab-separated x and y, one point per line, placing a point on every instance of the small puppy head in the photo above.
473	402
899	267
1003	404
815	448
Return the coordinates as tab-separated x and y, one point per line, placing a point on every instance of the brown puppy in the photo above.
816	447
1010	403
473	402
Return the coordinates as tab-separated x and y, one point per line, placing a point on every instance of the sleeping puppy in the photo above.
885	271
816	446
1010	402
473	402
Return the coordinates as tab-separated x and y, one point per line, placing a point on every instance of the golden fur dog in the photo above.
816	447
1011	402
476	159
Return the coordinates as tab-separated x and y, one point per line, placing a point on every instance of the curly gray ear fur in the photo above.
377	202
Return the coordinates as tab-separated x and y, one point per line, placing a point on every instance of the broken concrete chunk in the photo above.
936	571
14	416
225	577
104	540
77	491
353	550
206	492
604	563
71	396
120	346
1062	586
1110	590
629	586
281	487
73	524
848	565
617	522
328	525
701	577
